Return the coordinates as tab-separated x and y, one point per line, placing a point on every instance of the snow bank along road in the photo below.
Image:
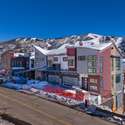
38	111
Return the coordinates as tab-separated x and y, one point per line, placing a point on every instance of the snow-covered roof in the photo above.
60	50
91	45
43	51
57	51
100	47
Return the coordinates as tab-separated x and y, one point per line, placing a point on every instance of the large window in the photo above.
91	64
117	63
112	64
118	78
81	58
101	64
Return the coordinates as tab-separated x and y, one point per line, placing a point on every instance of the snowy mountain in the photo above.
25	43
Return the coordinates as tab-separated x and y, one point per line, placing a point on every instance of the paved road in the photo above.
38	111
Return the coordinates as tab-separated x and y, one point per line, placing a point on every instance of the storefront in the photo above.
91	83
70	81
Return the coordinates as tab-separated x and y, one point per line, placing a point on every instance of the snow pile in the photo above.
52	92
58	98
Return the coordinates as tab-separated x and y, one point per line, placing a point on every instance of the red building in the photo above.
100	73
95	68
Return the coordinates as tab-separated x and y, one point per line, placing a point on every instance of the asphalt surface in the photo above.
38	111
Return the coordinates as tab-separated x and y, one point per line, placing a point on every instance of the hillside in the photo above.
25	44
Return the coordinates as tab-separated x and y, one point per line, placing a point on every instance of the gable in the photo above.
114	51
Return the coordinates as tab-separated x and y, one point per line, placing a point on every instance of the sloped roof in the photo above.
100	47
60	50
43	51
96	46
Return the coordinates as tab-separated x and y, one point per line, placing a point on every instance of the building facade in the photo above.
19	64
100	72
96	69
40	63
6	61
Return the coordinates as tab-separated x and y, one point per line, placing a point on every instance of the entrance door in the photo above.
85	83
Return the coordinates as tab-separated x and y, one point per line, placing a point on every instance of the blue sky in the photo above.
58	18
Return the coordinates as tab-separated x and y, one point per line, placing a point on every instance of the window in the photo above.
91	70
91	64
55	58
112	64
117	63
81	58
101	64
118	78
71	62
65	59
91	58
